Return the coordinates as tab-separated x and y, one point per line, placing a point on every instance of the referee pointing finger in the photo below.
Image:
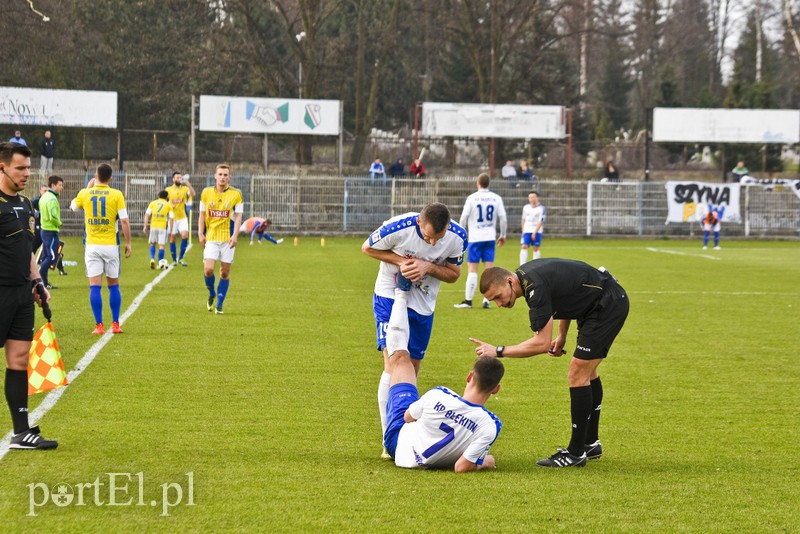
563	290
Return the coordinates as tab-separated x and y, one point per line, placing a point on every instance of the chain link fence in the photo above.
358	205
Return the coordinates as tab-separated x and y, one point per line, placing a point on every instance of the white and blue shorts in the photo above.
527	239
420	327
480	251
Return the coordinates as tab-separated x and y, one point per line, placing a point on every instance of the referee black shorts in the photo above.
16	313
597	331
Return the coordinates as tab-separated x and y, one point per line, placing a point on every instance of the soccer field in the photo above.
265	418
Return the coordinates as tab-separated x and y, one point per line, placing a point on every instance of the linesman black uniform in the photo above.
564	290
17	283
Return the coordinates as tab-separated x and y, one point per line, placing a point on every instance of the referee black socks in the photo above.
581	410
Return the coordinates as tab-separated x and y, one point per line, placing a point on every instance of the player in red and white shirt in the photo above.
427	248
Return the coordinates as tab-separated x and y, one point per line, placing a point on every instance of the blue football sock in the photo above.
115	301
173	251
183	247
161	252
222	290
152	251
96	301
269	238
705	238
210	285
716	239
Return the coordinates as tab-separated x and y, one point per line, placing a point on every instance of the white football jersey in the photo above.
402	236
532	217
482	211
446	427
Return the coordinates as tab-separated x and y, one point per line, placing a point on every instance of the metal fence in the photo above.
357	205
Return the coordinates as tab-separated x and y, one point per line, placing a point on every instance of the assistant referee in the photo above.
565	290
19	278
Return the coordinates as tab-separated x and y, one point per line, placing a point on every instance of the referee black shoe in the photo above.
31	439
563	459
593	450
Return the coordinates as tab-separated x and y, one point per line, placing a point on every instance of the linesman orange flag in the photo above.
45	366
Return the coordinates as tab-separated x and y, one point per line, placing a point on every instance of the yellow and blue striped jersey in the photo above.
178	195
101	205
219	209
160	211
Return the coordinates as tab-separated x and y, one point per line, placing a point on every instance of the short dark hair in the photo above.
53	180
488	371
104	172
437	215
163	194
492	276
268	222
177	172
8	149
483	180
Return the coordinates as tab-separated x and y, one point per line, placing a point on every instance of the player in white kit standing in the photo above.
440	429
482	211
533	215
427	248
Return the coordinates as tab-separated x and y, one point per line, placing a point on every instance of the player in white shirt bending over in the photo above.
427	248
533	215
482	211
440	429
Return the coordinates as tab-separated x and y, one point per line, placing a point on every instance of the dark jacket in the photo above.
47	148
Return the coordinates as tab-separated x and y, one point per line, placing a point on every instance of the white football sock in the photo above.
536	254
397	332
523	256
472	284
383	398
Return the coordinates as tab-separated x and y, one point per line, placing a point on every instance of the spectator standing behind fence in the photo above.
18	138
739	172
417	169
397	169
611	172
508	170
376	171
47	149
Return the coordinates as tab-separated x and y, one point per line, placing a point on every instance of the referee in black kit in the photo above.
564	290
19	278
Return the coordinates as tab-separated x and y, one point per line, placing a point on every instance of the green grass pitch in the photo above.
272	406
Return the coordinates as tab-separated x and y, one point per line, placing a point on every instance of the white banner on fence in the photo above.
773	184
269	115
56	107
690	201
493	120
704	125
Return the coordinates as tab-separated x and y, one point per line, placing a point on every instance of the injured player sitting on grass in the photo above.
440	429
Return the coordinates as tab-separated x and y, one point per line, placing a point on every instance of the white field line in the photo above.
677	253
52	398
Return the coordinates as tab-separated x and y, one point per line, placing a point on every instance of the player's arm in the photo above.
237	224
415	269
465	466
381	255
191	189
126	231
407	417
462	221
557	344
503	225
253	233
201	224
146	220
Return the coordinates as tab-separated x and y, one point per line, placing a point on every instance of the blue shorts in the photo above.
526	239
480	251
419	326
401	396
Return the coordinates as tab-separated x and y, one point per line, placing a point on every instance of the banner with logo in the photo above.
773	184
269	115
690	201
57	107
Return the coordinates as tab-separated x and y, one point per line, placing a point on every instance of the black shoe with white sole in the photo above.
31	439
593	450
563	459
